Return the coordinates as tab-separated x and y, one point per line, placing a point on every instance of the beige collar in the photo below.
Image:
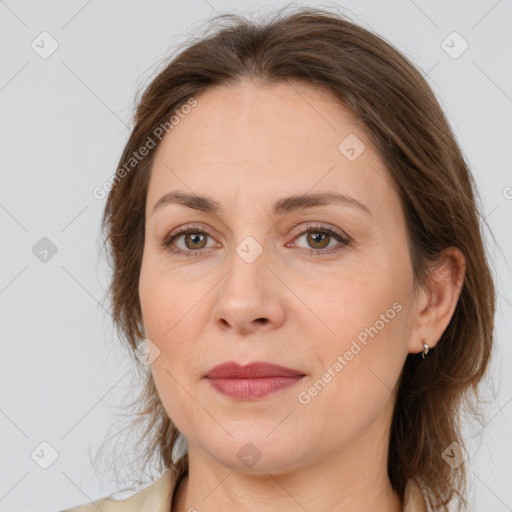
413	497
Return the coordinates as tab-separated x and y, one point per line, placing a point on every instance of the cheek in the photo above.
356	383
350	304
162	298
183	411
362	346
168	313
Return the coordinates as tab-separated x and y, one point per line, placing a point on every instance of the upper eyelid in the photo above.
298	229
311	226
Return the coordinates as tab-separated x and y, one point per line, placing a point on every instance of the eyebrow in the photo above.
282	206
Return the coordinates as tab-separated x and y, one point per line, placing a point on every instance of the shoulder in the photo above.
156	497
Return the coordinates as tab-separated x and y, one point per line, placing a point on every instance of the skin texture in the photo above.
246	146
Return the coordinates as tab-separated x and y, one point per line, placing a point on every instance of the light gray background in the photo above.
64	121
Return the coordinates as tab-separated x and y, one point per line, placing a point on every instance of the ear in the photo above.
437	299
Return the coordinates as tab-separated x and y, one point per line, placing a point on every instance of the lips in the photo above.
257	370
253	381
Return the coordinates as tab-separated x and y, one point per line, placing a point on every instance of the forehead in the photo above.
246	139
246	117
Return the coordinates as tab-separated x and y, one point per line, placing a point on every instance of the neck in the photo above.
353	480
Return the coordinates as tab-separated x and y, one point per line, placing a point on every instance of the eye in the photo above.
193	240
319	237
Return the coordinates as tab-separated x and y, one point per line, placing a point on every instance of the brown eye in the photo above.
195	240
317	240
186	241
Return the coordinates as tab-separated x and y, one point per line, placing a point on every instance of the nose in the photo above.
250	297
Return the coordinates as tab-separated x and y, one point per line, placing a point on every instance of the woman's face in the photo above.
260	278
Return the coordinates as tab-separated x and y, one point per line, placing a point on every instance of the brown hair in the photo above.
406	124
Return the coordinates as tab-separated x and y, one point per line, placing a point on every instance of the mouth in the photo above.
252	381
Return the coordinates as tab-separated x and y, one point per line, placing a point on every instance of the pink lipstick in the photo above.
253	381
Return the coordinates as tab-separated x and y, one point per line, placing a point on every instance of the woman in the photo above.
295	238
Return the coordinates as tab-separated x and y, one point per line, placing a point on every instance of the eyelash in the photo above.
318	229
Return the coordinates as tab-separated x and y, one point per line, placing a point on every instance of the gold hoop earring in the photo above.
426	348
